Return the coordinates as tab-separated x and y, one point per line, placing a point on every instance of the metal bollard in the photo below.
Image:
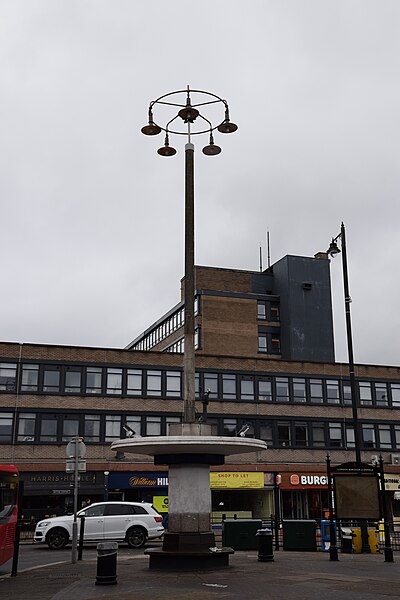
106	563
264	539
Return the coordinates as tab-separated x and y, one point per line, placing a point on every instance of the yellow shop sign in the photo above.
236	480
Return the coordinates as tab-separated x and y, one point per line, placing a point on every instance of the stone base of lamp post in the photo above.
189	451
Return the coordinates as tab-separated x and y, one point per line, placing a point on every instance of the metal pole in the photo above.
277	511
353	384
333	553
20	497
75	523
189	410
388	544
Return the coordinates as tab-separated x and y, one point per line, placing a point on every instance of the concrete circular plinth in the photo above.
180	445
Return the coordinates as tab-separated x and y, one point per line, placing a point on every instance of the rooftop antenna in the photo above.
261	267
268	251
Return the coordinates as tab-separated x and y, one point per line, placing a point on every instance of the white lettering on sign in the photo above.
313	480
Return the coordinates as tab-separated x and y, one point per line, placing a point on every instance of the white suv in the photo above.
131	522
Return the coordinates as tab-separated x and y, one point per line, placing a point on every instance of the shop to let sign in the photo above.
236	480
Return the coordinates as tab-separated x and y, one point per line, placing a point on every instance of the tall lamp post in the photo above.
182	108
332	251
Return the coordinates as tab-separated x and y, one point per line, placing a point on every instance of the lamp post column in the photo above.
189	410
353	385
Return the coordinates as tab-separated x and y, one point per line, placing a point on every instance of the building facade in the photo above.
265	361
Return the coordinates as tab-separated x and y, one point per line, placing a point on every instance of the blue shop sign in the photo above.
124	481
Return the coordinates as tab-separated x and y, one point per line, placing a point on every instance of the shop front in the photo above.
137	486
244	494
51	493
304	495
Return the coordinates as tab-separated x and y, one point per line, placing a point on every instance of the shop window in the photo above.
92	428
114	381
211	383
282	389
229	427
247	388
73	381
228	387
300	434
154	383
48	428
153	425
395	390
368	435
332	391
51	379
26	427
113	428
381	394
384	436
8	377
318	434
173	386
70	428
264	390
365	393
299	390
6	424
316	393
93	380
284	437
30	378
335	435
134	382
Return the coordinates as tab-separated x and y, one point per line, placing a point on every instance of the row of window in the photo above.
119	381
31	427
164	329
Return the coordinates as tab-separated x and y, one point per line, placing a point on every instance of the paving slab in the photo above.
291	576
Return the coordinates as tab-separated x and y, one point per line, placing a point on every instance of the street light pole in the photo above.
189	113
332	251
189	410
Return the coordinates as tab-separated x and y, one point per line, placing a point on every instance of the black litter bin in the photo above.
346	535
106	563
264	539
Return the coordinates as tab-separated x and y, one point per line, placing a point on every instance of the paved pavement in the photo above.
292	576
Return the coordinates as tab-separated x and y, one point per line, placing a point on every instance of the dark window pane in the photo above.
51	380
92	428
48	429
73	381
26	427
282	389
264	390
284	438
229	386
93	380
6	423
299	390
8	377
30	376
70	429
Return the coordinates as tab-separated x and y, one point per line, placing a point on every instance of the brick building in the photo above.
265	357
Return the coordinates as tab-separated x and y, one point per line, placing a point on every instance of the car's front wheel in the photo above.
136	537
57	539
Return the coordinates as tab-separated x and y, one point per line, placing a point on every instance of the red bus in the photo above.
9	479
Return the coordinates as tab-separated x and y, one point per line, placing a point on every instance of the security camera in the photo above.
129	432
242	432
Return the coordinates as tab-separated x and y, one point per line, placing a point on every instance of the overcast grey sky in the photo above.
91	240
